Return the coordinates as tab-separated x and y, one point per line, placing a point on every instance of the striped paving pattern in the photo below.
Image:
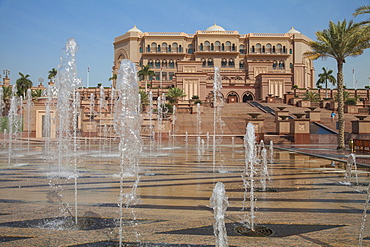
308	205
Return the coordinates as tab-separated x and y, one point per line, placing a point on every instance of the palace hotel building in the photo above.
252	66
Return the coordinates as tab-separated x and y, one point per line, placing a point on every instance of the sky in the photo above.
33	33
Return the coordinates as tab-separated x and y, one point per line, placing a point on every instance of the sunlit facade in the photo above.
252	65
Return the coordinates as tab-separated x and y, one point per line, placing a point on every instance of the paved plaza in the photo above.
305	204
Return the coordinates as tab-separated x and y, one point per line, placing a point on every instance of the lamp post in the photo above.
6	73
41	80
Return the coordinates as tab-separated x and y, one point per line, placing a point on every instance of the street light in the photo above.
41	80
6	73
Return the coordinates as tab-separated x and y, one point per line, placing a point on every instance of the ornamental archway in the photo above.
232	97
248	96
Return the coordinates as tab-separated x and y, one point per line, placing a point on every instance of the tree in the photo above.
145	72
7	94
339	41
144	100
324	78
36	93
312	96
363	10
52	73
22	84
174	94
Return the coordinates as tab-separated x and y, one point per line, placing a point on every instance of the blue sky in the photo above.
33	32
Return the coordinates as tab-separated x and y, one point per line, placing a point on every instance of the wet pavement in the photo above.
305	204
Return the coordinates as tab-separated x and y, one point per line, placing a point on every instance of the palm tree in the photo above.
7	94
145	72
36	93
312	96
113	78
52	73
144	100
340	41
324	78
23	83
363	10
174	94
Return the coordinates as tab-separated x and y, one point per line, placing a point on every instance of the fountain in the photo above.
28	116
271	152
248	175
217	120
351	162
127	122
219	203
264	175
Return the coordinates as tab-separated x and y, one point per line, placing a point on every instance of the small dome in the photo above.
134	29
292	31
215	28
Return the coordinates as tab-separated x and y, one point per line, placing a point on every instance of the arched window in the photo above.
284	49
153	47
223	62
233	47
141	49
204	62
281	64
172	64
228	46
241	64
290	51
210	62
190	49
258	48
157	63
279	48
268	48
274	64
291	65
164	63
148	48
206	46
164	47
231	63
180	48
241	49
201	47
150	63
218	45
175	47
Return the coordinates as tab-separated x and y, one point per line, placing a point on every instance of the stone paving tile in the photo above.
308	208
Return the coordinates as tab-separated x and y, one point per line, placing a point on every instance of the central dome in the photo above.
215	28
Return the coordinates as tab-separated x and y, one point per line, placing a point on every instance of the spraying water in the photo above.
219	203
1	101
67	82
12	123
264	175
364	216
351	161
174	117
248	175
127	122
28	116
217	120
271	152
